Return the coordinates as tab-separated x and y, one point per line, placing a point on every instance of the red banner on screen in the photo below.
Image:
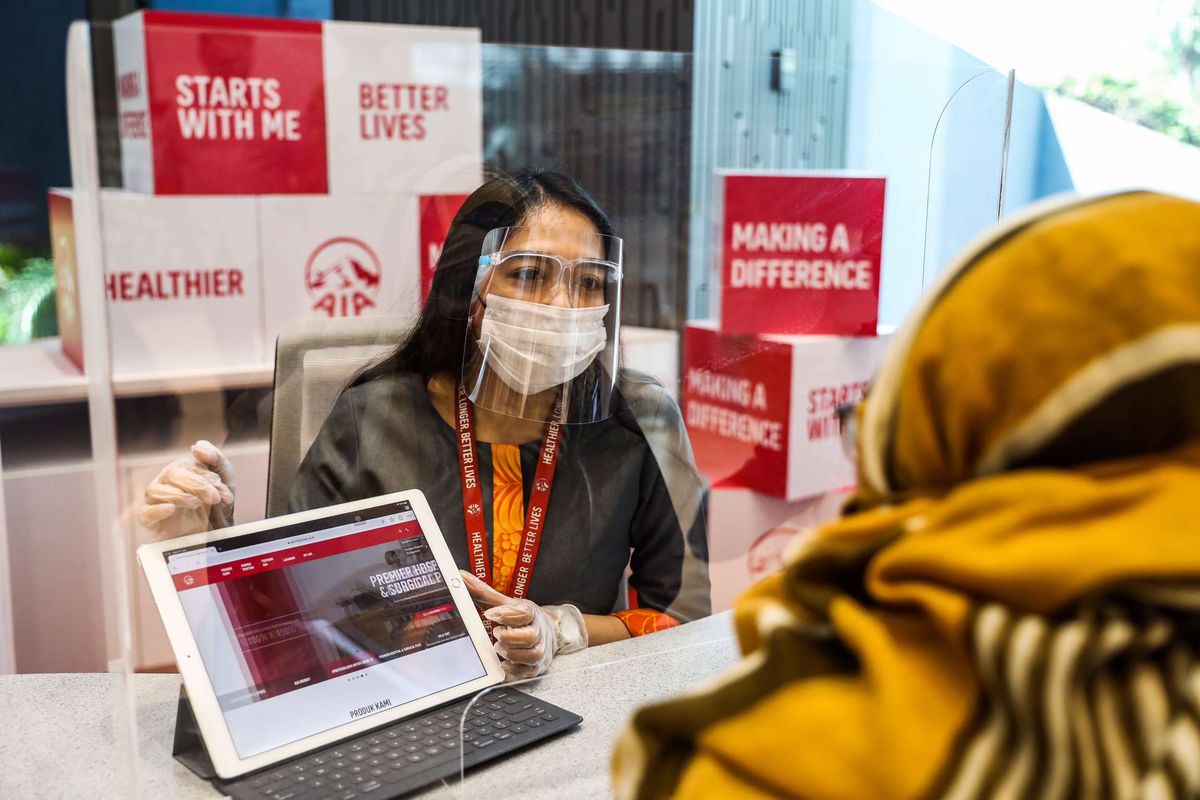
267	562
274	644
433	612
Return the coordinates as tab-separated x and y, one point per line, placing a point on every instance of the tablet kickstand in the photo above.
188	747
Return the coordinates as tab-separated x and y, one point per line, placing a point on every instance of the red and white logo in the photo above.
542	485
189	580
343	276
474	509
766	554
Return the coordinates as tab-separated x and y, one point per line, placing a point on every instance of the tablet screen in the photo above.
310	626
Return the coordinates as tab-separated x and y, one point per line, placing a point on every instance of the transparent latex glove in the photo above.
528	636
191	494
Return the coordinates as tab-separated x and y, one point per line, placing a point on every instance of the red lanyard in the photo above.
539	498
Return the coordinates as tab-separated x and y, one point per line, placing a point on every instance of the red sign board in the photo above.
230	105
801	253
211	104
736	405
437	212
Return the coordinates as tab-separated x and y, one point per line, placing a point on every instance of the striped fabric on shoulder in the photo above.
1103	703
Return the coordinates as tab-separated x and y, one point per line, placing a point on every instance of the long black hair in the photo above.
436	342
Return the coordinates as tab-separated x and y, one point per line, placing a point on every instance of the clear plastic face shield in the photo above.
544	323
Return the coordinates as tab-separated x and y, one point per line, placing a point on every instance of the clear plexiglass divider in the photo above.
873	169
605	690
815	227
110	539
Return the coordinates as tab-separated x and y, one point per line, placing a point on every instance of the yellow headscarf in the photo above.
1012	611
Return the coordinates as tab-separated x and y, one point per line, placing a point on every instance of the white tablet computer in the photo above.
295	632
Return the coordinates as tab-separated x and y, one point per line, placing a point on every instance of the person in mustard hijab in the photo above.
1010	606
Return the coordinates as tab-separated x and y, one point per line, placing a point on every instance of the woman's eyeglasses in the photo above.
538	277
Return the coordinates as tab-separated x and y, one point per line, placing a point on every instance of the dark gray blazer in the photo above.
626	491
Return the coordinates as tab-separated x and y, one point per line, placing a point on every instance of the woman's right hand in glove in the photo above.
191	494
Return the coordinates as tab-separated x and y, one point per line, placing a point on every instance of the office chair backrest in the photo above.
314	360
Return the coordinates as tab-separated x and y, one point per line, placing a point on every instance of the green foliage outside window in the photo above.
27	309
1167	99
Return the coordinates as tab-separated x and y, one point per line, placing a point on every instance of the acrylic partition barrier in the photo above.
815	227
606	690
778	217
222	199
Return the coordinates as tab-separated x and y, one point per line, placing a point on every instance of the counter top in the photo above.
57	735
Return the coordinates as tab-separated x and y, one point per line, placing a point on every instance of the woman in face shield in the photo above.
550	471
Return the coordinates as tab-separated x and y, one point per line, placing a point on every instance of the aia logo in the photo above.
342	276
474	509
542	485
766	554
189	580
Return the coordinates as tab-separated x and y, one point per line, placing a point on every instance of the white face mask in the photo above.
534	347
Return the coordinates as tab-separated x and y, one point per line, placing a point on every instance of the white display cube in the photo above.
182	279
212	104
748	533
329	256
761	410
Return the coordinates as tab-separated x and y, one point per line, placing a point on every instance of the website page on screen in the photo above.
315	625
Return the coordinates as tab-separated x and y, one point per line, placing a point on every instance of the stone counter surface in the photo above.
57	734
